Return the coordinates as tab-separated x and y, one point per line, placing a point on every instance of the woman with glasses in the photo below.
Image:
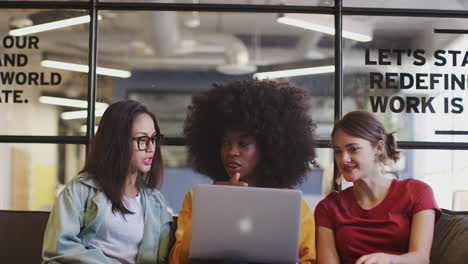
250	133
112	212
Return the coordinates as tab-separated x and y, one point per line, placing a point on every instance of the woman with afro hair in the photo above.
250	133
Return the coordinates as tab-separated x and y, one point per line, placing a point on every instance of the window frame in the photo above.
338	11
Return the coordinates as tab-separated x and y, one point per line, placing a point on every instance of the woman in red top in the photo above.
379	220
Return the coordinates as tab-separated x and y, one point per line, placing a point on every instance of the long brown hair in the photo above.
110	153
365	125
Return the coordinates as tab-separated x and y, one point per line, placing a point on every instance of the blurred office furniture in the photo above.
21	234
460	200
450	238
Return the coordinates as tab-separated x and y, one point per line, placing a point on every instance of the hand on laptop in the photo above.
235	181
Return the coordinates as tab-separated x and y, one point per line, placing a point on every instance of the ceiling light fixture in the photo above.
51	26
85	68
352	29
81	114
294	72
68	102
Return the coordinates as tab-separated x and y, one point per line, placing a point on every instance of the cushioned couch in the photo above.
21	235
450	244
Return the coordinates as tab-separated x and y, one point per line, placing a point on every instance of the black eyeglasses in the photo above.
144	141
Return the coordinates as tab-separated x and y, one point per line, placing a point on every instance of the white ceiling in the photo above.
140	40
164	40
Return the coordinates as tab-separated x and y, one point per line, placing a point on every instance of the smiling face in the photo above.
239	153
356	157
142	159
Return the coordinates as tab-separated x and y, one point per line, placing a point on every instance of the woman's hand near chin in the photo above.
234	181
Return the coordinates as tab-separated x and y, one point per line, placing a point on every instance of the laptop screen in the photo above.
245	224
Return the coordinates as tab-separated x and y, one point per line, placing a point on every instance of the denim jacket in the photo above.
78	213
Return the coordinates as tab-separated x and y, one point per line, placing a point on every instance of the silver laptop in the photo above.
245	224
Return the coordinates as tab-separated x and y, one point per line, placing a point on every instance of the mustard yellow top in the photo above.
180	250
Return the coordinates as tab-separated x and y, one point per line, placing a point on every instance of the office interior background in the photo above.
409	54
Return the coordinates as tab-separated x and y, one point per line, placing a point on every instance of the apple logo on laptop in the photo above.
245	224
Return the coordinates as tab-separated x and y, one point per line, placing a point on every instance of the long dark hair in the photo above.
110	153
365	125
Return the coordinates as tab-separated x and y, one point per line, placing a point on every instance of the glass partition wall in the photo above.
63	62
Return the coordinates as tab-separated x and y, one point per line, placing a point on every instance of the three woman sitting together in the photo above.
248	133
